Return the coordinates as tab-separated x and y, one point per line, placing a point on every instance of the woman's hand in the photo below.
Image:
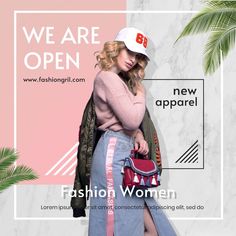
140	144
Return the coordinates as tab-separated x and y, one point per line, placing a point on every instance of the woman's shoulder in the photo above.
108	77
106	74
111	81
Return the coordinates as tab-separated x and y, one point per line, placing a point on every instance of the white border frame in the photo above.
15	108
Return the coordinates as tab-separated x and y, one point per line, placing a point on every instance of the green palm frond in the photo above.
208	18
14	175
222	40
218	18
220	3
7	158
9	174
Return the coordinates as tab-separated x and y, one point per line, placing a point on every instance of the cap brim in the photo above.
133	49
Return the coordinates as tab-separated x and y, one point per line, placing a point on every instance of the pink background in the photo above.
49	114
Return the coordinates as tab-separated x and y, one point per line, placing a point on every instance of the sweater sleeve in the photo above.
129	109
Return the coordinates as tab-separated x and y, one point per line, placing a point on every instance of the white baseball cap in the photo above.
135	40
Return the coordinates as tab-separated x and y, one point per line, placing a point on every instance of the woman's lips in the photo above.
130	65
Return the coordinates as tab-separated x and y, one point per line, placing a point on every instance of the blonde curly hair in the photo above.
108	57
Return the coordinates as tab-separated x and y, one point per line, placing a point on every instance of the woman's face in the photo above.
126	60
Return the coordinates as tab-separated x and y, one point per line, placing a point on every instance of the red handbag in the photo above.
141	173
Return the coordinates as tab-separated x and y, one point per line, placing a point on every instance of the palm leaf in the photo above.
222	40
15	175
220	3
208	18
218	17
7	158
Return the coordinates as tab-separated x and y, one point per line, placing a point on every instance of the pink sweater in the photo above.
115	106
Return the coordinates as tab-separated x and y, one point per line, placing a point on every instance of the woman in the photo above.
119	98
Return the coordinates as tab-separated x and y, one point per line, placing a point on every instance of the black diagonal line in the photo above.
186	151
192	153
192	158
195	160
